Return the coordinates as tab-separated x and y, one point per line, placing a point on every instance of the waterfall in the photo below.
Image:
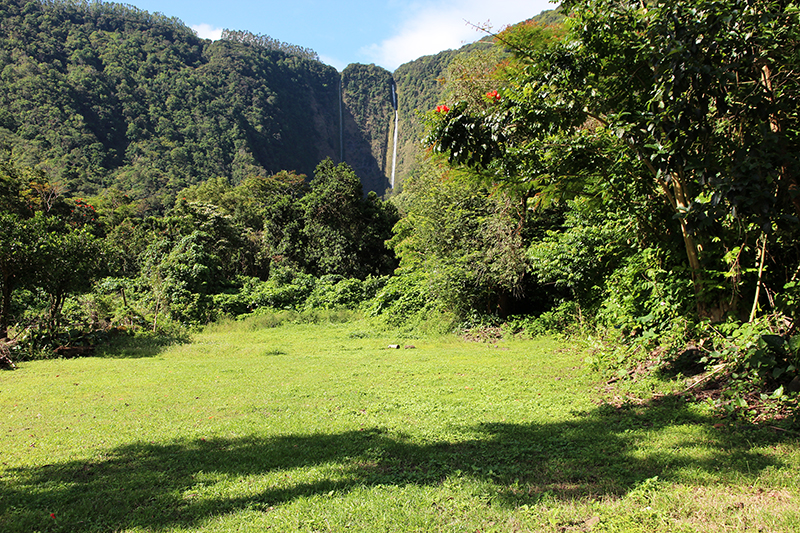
396	119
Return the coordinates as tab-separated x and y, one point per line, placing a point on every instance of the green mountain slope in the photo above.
101	95
419	90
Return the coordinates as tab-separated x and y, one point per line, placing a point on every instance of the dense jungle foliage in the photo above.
73	269
656	147
629	174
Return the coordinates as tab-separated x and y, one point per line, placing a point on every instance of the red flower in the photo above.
442	109
492	95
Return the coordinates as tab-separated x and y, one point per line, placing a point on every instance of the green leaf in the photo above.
740	402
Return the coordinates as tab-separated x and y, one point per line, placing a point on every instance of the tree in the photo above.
46	241
466	238
341	227
333	223
67	260
18	258
46	253
188	275
695	102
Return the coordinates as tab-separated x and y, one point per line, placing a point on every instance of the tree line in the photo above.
269	43
77	267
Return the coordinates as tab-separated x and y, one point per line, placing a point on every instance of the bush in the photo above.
564	319
403	297
644	294
755	358
582	253
231	304
285	289
332	291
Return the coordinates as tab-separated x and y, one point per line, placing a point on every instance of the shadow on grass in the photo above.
152	486
141	346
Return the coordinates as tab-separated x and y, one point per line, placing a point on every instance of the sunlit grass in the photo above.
322	427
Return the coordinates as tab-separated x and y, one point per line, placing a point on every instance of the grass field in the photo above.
321	427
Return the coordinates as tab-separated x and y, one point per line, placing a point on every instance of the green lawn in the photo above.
323	428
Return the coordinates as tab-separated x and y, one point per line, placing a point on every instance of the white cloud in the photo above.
448	24
207	31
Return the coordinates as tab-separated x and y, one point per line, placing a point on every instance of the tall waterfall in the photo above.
394	143
341	120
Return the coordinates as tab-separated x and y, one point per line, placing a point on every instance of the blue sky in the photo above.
387	33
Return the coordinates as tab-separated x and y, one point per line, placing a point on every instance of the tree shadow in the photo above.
140	346
153	486
686	363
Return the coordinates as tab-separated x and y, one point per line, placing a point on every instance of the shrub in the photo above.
755	358
404	296
643	293
285	289
332	291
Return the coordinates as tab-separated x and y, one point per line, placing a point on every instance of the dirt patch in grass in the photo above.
483	334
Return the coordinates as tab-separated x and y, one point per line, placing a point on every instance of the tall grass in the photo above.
296	425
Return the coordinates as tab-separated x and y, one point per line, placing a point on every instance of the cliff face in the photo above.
368	118
419	88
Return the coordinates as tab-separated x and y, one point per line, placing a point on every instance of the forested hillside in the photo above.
102	95
419	88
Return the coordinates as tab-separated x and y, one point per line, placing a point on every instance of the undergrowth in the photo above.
745	370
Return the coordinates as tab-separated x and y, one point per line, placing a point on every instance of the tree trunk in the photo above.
504	304
692	252
677	199
5	308
681	206
712	310
786	180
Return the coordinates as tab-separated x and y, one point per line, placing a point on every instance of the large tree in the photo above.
695	102
343	231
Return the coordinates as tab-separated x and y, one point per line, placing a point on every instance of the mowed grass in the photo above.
308	427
